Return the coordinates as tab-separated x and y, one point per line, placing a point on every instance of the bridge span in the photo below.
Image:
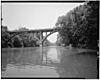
35	32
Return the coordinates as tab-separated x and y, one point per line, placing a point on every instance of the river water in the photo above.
48	62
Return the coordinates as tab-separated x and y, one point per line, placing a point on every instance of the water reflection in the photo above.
49	62
30	71
4	62
53	56
50	56
83	65
28	62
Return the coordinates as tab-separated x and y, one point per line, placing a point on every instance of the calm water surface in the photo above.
52	61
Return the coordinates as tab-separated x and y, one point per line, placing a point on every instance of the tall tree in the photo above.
80	26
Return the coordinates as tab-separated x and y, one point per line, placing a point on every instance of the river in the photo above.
48	62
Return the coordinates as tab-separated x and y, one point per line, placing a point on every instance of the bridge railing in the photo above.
37	30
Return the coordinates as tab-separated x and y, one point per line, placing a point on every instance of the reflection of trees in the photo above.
78	65
4	61
24	56
8	57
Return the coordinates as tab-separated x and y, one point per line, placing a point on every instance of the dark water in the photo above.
55	62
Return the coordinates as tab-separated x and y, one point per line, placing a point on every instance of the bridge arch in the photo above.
48	35
41	39
15	34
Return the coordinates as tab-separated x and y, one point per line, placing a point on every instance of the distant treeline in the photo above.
79	26
20	40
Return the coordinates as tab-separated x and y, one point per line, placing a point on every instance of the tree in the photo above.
17	42
27	39
5	40
80	26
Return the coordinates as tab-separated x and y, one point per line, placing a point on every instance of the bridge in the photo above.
41	39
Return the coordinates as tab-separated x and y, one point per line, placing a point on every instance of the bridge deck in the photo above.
37	30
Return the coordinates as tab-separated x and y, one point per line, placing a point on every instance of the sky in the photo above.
34	15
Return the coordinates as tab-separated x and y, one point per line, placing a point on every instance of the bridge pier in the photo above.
46	34
46	39
41	36
41	45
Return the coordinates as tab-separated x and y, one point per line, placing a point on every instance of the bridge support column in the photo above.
46	39
41	44
46	34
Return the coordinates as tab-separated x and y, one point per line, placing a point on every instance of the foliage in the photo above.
20	40
79	26
5	42
17	42
28	40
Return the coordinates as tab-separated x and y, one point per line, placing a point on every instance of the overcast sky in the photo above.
34	15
